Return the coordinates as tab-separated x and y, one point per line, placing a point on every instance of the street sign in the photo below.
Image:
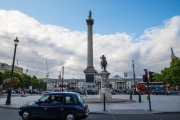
30	87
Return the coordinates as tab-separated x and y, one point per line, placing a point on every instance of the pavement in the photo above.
159	104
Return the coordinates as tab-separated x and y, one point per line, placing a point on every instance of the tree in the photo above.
157	77
24	80
175	70
1	79
170	75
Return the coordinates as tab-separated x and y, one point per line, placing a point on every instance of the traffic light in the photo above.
145	79
150	76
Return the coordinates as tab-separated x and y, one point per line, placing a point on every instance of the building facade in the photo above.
118	83
4	67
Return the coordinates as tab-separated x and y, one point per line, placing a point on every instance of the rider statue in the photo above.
103	63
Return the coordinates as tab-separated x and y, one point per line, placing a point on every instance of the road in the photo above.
12	114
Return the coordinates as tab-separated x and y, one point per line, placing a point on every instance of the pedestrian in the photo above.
84	93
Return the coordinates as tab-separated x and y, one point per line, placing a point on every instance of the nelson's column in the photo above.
89	71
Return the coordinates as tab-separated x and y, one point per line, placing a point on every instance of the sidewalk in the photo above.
159	104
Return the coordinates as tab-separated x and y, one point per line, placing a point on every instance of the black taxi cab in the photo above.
56	105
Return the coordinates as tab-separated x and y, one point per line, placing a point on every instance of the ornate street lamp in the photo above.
62	77
8	101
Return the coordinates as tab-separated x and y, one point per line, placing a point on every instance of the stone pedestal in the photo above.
105	88
107	92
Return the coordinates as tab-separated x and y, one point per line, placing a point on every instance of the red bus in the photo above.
142	86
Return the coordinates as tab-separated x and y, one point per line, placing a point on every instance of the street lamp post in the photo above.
133	73
8	101
62	77
26	72
39	87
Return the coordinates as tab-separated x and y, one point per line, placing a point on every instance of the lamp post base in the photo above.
8	101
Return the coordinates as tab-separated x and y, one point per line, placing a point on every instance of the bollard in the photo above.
130	96
104	101
139	97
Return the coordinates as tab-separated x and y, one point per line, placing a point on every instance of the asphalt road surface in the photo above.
12	114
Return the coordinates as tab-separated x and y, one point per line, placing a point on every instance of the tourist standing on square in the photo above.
84	93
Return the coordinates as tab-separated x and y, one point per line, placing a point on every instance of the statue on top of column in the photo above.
90	13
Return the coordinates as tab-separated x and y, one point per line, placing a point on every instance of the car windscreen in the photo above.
43	98
80	98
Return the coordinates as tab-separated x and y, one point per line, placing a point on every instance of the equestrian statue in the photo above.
103	63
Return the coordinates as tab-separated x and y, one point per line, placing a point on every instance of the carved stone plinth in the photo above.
105	88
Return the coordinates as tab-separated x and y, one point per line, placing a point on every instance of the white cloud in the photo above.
39	42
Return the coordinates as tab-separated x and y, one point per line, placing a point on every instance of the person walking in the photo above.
84	93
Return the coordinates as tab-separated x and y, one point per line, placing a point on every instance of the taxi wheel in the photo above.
26	115
70	116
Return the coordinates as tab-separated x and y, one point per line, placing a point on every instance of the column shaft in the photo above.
90	46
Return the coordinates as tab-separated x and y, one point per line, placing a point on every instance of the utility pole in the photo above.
62	77
47	73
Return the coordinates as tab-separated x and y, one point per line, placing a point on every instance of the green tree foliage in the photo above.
1	80
24	81
170	75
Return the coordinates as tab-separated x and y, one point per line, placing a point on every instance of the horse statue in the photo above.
103	63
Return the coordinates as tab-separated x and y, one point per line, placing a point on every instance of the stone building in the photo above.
117	82
4	67
55	84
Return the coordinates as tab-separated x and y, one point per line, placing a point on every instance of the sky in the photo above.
142	31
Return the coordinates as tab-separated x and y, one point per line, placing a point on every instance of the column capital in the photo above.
90	21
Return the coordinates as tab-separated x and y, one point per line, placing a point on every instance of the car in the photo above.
172	92
47	92
130	91
117	90
91	92
77	91
159	92
113	93
56	105
5	91
137	93
33	91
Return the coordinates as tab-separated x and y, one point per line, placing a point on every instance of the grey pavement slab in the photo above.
159	103
128	111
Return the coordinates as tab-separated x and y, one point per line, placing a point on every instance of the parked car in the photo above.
136	93
117	90
33	91
46	91
56	105
172	92
113	93
5	91
159	92
77	91
91	92
130	91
